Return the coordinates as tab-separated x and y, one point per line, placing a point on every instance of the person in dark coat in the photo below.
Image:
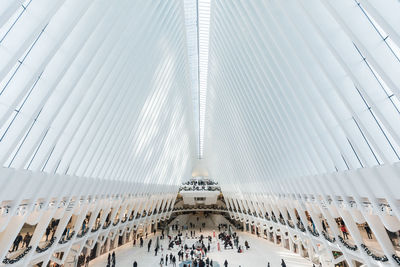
368	230
148	246
48	229
113	258
283	264
27	239
17	240
87	260
134	264
226	263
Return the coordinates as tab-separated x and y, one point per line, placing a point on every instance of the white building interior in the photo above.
277	119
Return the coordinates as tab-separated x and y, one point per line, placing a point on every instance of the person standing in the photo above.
48	229
87	260
368	230
344	231
109	259
141	241
283	264
26	240
113	259
135	264
148	246
226	263
16	242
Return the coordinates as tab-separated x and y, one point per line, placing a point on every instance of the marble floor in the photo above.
260	253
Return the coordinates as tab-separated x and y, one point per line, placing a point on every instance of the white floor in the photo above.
260	253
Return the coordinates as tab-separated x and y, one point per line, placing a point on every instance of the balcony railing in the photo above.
18	258
48	245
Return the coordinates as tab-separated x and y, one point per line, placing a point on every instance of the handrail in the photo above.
347	245
63	241
41	250
372	255
18	258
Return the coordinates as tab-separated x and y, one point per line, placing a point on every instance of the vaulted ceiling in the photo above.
262	91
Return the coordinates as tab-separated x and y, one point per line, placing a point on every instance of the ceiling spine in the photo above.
203	7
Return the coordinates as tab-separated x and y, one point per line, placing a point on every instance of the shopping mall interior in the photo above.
200	133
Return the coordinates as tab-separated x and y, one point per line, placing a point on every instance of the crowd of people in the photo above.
178	250
200	185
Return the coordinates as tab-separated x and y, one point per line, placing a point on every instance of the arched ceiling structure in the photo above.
301	88
118	91
291	106
96	89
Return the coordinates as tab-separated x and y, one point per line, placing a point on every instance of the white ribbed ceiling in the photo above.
133	90
300	88
96	89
